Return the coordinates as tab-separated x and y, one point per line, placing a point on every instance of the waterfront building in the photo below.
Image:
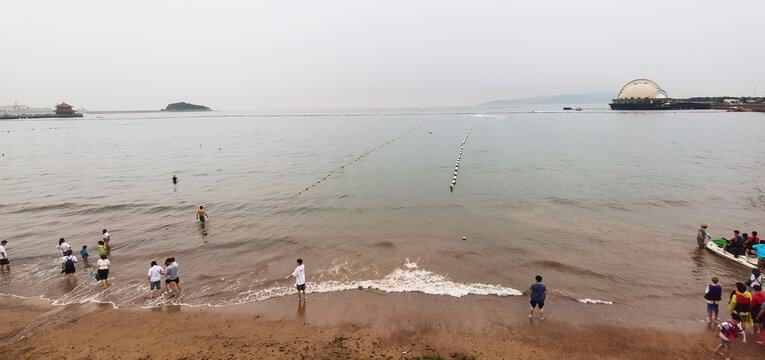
644	94
64	109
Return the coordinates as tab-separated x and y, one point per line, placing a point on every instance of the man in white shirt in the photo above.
154	276
4	263
299	275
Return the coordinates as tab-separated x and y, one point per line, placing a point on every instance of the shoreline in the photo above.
354	324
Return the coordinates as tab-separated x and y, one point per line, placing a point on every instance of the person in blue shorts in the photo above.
538	296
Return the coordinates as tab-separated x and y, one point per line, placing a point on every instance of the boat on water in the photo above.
716	246
738	109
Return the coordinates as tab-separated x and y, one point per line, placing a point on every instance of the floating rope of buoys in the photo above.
357	158
459	156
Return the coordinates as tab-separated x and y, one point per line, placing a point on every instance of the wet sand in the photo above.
359	324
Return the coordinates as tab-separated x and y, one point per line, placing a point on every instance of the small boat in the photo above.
567	108
578	109
716	246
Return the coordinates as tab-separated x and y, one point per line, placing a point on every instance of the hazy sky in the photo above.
288	54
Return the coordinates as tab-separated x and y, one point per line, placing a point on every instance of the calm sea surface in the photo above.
605	205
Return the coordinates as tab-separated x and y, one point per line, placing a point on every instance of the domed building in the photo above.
644	94
641	89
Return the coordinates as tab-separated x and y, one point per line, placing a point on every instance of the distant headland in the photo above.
184	106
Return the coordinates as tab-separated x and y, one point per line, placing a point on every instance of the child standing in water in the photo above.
106	238
299	274
538	296
84	254
101	248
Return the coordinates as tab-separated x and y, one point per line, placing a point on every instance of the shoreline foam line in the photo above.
342	166
459	156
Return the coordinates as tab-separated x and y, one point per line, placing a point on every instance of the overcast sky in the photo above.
287	54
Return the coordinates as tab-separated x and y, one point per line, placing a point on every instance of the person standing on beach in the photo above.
758	300
728	331
5	264
155	276
713	295
299	274
67	266
703	235
760	249
201	215
538	297
741	304
106	238
171	276
103	270
63	246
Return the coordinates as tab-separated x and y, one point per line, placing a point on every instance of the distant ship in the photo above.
644	94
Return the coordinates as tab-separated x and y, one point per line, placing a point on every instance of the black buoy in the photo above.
175	179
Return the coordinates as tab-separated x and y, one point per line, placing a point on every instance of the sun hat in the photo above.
704	224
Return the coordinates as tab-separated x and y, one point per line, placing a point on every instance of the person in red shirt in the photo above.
758	298
753	240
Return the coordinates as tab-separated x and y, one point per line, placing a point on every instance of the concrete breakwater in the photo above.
37	116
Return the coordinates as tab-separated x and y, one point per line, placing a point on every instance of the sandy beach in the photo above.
345	325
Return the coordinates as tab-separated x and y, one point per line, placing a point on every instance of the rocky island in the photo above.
184	106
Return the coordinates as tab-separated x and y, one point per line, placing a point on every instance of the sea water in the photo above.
604	204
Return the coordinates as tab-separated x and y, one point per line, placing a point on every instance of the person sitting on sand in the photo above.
713	295
740	304
538	297
67	266
702	236
728	331
201	215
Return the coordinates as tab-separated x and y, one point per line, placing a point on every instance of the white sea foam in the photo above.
407	279
595	301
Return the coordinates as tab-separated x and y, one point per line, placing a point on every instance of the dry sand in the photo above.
352	325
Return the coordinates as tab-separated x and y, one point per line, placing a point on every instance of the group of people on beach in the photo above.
68	267
746	302
154	276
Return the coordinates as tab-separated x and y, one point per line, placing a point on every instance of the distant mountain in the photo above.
598	97
183	106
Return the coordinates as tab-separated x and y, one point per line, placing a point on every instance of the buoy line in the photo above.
459	156
342	166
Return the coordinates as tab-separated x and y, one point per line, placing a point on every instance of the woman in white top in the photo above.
103	270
